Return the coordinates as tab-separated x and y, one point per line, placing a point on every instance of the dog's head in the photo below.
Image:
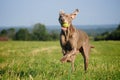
65	20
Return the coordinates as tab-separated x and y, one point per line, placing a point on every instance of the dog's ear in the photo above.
73	15
61	12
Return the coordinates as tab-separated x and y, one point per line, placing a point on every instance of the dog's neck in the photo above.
68	33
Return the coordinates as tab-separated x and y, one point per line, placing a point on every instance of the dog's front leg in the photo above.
72	52
68	56
63	51
72	55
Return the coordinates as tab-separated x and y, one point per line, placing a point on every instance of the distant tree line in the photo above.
38	33
114	35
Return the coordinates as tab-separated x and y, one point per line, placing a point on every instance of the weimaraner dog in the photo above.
72	40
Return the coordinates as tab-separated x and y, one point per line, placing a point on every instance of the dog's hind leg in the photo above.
85	54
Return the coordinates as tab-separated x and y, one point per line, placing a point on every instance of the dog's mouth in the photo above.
64	26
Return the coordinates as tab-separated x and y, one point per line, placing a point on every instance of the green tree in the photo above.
11	33
54	35
118	28
114	35
3	32
39	32
22	34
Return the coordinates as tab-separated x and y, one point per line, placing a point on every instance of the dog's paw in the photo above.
64	59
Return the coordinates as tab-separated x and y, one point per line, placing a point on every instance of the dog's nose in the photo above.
62	19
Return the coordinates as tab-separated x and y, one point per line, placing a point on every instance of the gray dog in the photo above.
73	40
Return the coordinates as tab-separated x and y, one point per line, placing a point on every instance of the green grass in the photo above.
20	60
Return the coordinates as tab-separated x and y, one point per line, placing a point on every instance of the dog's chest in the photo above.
65	41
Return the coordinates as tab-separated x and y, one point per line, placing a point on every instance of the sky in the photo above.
30	12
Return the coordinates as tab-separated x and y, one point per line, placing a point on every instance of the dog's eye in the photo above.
61	16
66	15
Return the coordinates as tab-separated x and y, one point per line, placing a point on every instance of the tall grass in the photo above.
21	60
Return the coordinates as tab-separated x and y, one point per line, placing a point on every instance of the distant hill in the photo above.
86	26
90	29
16	27
96	31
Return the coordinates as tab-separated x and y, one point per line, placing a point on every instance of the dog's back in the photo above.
82	38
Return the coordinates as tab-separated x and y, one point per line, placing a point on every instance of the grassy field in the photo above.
41	61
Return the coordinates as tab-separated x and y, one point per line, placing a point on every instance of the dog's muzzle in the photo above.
63	28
